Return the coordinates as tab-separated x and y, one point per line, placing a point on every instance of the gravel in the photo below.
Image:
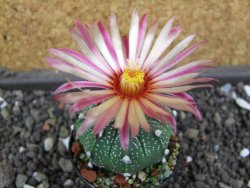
214	151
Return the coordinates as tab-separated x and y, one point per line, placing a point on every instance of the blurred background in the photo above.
28	28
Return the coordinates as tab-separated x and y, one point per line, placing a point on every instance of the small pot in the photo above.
79	165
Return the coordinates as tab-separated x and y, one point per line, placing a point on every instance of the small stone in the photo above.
189	159
120	180
28	186
63	132
247	90
126	159
217	118
191	133
226	88
229	122
158	132
182	116
68	183
65	142
90	165
245	152
16	110
222	185
65	165
175	113
29	122
166	152
7	175
44	184
46	126
48	144
5	114
89	175
126	174
234	95
76	148
142	176
243	103
22	149
38	176
216	148
21	180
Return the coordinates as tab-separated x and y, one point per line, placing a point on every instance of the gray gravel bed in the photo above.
214	152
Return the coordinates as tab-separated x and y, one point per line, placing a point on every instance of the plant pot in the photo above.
93	176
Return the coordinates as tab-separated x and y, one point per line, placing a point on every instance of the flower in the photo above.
132	75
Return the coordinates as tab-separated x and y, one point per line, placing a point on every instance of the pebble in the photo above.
166	152
158	132
7	174
222	185
5	114
63	132
229	122
68	183
244	152
29	123
226	88
217	118
38	176
28	186
21	180
191	133
189	159
48	144
142	176
65	142
126	159
16	110
243	103
247	90
65	165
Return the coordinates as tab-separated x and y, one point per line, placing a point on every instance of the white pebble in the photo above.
100	134
166	152
158	132
243	103
81	116
126	174
90	165
226	88
234	95
247	90
126	159
189	159
142	176
48	144
28	186
21	149
175	113
16	103
245	152
216	148
88	154
72	127
164	160
3	105
65	142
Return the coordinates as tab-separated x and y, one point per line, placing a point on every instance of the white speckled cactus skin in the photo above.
144	150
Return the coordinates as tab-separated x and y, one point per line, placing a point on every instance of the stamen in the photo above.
132	82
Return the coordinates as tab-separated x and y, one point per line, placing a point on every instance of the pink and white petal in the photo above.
179	57
179	89
132	119
125	42
69	97
177	49
99	41
83	103
124	134
104	119
79	84
65	67
159	41
87	124
121	116
168	40
116	40
141	116
147	43
133	35
141	34
185	69
91	52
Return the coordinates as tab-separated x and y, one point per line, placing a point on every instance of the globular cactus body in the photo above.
144	150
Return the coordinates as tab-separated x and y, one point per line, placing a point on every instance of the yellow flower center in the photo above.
132	82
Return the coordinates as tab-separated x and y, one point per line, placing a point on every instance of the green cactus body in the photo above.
144	150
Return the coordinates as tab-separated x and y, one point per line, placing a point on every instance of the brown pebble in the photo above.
76	148
120	180
61	106
174	138
46	126
89	175
126	185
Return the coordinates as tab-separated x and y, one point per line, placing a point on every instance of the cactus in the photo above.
144	150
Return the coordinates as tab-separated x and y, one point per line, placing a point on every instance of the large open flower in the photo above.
133	75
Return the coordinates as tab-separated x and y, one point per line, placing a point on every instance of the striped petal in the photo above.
124	134
141	116
133	35
132	119
121	116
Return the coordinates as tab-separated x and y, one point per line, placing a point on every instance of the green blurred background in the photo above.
29	27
